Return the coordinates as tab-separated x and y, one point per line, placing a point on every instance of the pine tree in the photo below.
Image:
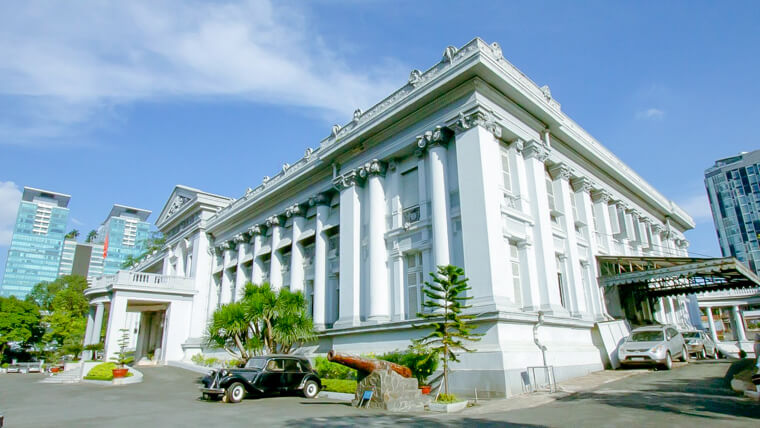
451	327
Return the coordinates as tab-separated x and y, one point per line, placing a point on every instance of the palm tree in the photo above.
91	236
73	234
263	321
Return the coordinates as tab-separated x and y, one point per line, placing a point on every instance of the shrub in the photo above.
197	359
5	365
421	362
339	385
447	399
103	371
329	370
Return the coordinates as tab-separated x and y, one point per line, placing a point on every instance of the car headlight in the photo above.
223	373
659	349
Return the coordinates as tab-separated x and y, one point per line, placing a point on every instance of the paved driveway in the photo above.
690	396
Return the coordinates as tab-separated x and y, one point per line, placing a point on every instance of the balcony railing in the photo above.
144	280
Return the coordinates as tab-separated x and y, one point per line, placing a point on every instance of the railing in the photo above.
741	292
146	280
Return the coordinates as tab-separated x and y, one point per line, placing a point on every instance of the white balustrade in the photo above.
144	280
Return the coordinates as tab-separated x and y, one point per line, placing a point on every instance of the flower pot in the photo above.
119	373
53	369
425	389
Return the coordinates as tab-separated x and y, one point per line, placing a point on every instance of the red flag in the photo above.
105	247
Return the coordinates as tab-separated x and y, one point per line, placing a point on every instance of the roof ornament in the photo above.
414	77
357	114
307	154
335	130
448	54
496	49
547	92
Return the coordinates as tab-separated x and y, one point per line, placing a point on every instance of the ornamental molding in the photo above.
373	168
178	202
581	184
536	149
480	117
346	180
256	229
518	144
657	228
295	210
239	238
273	221
319	199
601	195
437	137
560	171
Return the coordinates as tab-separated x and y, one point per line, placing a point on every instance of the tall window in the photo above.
561	282
550	191
309	294
514	258
410	196
414	281
506	175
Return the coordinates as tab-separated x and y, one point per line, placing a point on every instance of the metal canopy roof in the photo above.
670	276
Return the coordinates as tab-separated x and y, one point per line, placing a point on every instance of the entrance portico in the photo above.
163	302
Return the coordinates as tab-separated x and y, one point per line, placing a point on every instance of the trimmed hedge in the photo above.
329	370
103	371
339	385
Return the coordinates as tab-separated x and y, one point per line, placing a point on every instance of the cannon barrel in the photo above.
367	365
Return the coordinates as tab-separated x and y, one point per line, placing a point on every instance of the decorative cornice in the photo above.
373	167
346	180
319	199
581	184
479	117
536	149
438	136
273	221
294	211
560	171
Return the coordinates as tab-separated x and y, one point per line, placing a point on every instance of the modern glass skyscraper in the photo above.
733	187
81	258
37	243
124	233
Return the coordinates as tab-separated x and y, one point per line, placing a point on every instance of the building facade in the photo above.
37	243
469	163
81	258
733	187
123	234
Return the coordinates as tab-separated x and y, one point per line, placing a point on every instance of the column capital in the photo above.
536	149
230	244
346	180
240	238
373	167
478	117
518	144
560	171
295	210
437	137
319	199
601	195
581	184
273	221
657	228
256	229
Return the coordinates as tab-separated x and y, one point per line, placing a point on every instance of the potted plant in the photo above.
122	358
93	349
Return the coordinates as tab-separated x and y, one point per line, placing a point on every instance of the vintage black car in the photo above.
271	374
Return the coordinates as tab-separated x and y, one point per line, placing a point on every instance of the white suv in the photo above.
653	345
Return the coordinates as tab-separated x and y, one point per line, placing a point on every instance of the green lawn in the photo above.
339	385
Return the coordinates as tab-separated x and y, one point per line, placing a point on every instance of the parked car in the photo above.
700	344
653	345
272	374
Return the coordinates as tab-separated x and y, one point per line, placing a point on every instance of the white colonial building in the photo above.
469	163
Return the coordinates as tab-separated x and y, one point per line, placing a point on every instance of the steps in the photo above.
74	375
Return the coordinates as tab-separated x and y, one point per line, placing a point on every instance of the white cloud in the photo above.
651	114
698	207
67	64
10	196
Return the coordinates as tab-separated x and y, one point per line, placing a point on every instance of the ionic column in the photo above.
485	250
256	231
322	202
578	306
657	246
535	154
275	263
711	322
240	276
90	325
585	210
98	323
379	289
741	335
296	253
439	195
601	199
350	249
227	284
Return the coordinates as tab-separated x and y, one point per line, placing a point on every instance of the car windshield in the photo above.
691	335
647	336
256	363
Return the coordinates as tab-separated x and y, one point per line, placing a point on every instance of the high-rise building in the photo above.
125	232
81	258
733	187
37	243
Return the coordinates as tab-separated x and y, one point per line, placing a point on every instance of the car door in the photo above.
709	345
292	376
272	375
671	341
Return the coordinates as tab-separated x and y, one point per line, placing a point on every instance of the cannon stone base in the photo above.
392	392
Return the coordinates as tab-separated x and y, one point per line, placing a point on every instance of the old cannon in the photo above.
367	365
392	385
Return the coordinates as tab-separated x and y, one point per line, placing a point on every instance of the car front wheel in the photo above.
684	355
235	393
311	389
668	362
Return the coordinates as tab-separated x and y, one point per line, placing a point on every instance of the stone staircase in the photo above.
72	375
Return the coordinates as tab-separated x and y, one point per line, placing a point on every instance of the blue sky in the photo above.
116	102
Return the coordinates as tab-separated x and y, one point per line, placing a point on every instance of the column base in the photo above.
377	319
553	310
320	327
347	322
493	304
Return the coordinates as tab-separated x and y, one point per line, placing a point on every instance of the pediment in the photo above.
179	198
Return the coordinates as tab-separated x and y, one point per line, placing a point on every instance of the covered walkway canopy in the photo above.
670	276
